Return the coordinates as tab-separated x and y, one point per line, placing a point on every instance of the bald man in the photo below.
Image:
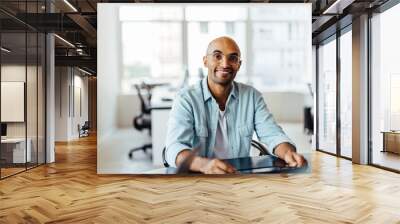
219	115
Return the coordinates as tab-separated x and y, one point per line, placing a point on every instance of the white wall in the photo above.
67	115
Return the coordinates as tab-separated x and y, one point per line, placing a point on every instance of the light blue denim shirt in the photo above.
194	118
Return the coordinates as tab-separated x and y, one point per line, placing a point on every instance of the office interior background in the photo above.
49	83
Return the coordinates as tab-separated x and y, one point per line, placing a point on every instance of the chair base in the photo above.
144	148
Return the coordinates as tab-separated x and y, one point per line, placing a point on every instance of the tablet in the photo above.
263	164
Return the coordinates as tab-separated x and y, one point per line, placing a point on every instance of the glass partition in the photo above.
346	94
327	96
22	88
14	153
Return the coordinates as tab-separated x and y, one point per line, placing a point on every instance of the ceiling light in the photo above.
65	41
70	5
337	7
84	71
5	50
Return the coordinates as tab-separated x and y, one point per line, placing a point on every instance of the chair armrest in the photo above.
258	145
160	108
163	158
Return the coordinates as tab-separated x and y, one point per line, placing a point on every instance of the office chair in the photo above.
84	129
254	143
308	121
143	120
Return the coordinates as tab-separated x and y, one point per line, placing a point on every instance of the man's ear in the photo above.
240	64
205	61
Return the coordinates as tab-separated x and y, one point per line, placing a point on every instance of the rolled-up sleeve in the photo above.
267	130
180	131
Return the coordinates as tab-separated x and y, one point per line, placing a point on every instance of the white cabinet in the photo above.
17	147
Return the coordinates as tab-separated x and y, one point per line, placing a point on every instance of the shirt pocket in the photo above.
201	132
246	131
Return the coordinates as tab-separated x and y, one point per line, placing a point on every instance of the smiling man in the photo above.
220	115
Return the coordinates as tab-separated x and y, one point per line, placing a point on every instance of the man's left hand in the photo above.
287	152
294	159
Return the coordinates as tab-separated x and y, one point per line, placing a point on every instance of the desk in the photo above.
15	148
159	119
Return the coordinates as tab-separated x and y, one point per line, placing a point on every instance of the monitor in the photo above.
3	129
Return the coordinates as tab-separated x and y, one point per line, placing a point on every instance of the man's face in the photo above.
223	61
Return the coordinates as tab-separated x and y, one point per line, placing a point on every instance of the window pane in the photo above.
150	13
386	89
327	97
275	12
149	54
346	94
216	13
281	52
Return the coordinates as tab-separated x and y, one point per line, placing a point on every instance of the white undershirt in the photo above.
221	148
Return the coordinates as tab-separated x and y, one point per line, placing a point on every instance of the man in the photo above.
219	116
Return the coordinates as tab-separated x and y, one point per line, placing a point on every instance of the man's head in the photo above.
222	60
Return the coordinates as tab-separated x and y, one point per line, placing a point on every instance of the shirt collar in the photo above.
207	94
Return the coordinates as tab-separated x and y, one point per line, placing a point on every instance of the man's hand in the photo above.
216	166
205	165
287	152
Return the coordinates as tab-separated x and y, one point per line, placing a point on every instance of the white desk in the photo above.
18	149
159	119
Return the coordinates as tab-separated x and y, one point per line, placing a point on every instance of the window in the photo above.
327	96
156	55
346	94
165	43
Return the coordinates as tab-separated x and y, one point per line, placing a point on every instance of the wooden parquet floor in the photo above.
70	191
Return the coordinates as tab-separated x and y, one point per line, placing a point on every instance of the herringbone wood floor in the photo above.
70	191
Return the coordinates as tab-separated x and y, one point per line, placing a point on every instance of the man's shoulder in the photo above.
245	89
190	92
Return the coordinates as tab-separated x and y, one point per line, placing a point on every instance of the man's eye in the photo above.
218	56
233	58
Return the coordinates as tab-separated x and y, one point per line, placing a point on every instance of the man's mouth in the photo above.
223	71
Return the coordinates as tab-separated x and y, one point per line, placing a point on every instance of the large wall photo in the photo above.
149	53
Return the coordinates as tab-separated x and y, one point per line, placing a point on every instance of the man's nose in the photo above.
224	62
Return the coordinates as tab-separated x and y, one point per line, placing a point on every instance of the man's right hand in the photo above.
205	165
216	166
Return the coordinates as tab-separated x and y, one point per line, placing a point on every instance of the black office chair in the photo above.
143	121
308	121
84	129
254	143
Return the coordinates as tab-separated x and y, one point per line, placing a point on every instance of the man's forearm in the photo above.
197	163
